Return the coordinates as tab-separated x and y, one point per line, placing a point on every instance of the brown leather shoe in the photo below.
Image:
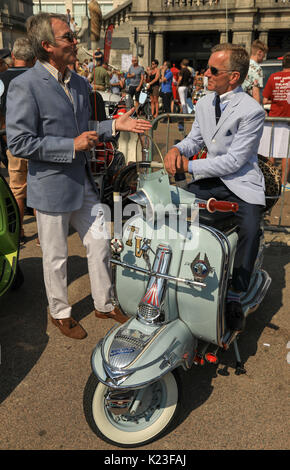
70	327
115	314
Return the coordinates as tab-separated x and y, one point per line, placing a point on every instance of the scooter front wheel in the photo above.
154	416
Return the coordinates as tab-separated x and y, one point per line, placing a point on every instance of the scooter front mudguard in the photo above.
136	354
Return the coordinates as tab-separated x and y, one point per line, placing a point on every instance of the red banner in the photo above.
108	43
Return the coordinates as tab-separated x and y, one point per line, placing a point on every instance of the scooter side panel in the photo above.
199	307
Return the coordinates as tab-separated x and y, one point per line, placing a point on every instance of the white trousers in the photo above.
275	140
53	229
182	91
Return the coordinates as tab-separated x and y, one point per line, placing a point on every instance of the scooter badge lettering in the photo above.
131	229
116	352
138	250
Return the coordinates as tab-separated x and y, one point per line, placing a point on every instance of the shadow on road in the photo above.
23	321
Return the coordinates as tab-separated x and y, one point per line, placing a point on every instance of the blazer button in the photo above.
213	141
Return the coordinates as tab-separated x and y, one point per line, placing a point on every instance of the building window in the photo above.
78	10
20	6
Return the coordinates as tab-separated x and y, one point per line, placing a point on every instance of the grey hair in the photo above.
22	50
239	59
39	29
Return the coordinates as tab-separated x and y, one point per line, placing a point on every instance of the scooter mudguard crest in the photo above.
135	354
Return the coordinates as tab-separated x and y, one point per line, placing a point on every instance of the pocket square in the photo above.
228	133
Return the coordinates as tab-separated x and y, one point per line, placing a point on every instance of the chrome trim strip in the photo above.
142	384
156	274
260	294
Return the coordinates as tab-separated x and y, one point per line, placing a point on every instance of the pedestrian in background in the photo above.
136	76
101	76
153	86
4	54
99	56
175	96
254	81
166	86
275	139
184	81
22	58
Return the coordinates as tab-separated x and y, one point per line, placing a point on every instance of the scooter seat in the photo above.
223	221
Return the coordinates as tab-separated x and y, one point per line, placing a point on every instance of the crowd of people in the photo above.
46	112
171	88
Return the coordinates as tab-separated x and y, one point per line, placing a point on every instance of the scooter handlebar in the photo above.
156	165
221	206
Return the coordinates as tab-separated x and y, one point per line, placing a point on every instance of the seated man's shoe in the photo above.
115	314
234	316
70	327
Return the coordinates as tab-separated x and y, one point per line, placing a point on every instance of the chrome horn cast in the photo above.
150	307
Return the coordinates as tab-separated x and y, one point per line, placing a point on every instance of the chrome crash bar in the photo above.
158	275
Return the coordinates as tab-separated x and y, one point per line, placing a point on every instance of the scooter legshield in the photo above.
136	354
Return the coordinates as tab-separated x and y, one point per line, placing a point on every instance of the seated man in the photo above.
230	124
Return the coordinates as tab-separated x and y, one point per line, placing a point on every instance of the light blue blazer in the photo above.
232	145
41	123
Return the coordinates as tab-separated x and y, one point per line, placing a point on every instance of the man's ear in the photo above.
46	46
235	77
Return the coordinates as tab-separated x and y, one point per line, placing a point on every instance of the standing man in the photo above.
47	118
4	53
184	81
175	71
99	55
68	16
101	77
166	86
230	124
23	58
277	94
136	75
254	81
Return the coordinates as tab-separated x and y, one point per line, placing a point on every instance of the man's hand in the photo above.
86	141
175	162
126	123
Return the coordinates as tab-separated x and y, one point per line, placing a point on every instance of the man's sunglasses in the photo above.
214	71
69	36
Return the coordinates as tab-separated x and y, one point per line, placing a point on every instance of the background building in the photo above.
13	14
177	29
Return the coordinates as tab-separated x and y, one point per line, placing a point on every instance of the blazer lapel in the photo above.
230	108
51	81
